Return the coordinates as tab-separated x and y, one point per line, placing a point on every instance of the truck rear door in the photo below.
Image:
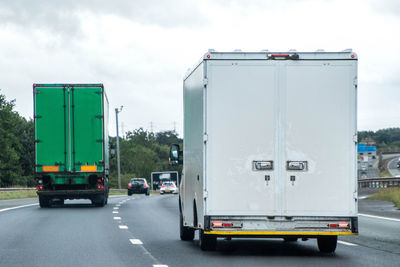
51	122
87	129
318	132
241	123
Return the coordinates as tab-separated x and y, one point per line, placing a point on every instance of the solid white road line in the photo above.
347	243
136	241
379	217
117	218
18	207
123	227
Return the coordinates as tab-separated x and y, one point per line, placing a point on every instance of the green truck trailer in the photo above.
71	143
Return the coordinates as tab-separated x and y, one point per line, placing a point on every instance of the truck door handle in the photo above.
267	179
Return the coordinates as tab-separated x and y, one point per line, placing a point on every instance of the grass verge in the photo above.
389	194
17	194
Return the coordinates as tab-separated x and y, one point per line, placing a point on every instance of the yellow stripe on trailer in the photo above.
88	168
50	168
275	233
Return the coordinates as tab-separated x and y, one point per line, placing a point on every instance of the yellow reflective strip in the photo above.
88	168
50	168
275	233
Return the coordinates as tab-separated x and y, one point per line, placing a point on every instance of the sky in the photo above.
141	49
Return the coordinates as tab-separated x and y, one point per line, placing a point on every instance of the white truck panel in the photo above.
245	107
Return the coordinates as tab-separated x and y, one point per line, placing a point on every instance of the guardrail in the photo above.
379	182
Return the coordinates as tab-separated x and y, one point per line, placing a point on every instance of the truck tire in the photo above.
99	201
186	233
207	242
59	202
44	202
147	193
327	244
129	193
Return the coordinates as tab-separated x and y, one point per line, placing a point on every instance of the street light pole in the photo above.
118	161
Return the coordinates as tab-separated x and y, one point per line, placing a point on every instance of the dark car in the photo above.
138	185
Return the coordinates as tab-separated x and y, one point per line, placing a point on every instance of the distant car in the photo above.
398	164
168	187
138	185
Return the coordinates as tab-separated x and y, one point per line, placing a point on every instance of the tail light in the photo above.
342	225
39	187
100	186
129	185
145	185
226	224
163	186
99	181
173	186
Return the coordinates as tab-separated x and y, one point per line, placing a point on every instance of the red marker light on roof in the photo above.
353	56
208	56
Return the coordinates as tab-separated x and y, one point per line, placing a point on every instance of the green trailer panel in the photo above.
50	128
87	129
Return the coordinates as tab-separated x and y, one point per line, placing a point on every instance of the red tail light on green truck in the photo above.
71	142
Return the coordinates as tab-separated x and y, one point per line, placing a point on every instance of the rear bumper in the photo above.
275	227
71	194
140	191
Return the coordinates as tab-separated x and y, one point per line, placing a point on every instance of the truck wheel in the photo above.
59	202
147	193
207	242
327	244
290	239
44	202
186	233
99	201
129	194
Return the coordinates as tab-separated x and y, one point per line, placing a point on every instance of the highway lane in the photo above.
79	234
392	167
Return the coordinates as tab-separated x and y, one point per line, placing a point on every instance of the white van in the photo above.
269	147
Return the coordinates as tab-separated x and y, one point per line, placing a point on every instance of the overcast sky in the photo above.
141	49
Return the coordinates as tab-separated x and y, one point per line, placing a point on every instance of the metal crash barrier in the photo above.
383	182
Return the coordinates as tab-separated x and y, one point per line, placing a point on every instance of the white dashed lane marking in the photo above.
379	217
136	241
346	243
116	212
18	207
160	265
116	208
117	218
123	227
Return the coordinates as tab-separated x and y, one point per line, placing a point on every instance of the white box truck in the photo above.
269	147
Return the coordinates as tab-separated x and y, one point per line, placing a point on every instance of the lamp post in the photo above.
118	161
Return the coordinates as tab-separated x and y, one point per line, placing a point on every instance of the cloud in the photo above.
65	17
391	7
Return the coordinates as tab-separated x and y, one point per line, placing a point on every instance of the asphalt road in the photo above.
143	231
392	167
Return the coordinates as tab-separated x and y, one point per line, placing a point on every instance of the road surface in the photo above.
392	167
143	231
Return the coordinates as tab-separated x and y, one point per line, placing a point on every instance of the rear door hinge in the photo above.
205	138
355	138
205	82
205	194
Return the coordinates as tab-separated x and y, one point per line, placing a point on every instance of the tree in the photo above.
10	146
